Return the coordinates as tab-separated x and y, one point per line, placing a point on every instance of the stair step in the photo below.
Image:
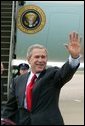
6	9
6	14
7	33
5	45
6	18
4	77
6	2
6	5
5	72
5	39
5	22
4	98
4	88
4	80
6	27
4	102
4	58
4	51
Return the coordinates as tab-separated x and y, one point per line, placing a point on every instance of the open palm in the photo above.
74	44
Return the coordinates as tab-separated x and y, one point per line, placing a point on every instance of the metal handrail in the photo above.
11	46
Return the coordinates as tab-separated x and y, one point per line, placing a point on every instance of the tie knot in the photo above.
34	77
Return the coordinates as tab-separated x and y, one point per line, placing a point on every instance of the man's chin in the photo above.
39	70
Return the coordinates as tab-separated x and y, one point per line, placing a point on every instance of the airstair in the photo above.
8	36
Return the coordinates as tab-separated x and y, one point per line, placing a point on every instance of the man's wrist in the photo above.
75	57
74	62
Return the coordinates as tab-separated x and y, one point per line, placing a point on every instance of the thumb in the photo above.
66	45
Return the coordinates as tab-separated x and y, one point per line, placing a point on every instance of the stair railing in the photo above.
12	41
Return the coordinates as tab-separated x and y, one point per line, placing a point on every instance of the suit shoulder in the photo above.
21	77
52	68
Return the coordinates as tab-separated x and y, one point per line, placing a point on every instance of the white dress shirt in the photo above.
29	79
74	62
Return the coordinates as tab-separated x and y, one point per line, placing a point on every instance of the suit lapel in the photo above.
23	88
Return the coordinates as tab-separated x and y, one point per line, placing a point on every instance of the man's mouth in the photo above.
40	64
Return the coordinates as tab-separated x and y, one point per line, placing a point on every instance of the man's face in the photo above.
38	60
23	71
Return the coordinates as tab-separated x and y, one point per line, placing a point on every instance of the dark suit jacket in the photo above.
46	91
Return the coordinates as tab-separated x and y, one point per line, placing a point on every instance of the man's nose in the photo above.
40	59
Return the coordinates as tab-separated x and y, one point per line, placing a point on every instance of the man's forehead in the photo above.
38	50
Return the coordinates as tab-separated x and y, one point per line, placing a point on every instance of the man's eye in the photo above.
42	57
39	57
36	56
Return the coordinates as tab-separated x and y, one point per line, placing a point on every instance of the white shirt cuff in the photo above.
74	62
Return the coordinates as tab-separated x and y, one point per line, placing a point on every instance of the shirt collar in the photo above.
37	74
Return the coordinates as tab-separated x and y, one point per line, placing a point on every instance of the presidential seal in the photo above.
31	19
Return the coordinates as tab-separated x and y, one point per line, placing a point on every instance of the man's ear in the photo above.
28	59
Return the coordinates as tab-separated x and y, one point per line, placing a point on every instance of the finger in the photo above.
66	45
77	36
70	37
74	37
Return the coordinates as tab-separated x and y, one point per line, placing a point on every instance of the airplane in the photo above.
53	21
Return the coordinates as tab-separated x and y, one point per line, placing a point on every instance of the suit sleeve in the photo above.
64	74
11	106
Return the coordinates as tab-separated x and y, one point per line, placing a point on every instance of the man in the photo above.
22	69
47	87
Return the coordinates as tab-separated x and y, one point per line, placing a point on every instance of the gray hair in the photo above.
30	49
